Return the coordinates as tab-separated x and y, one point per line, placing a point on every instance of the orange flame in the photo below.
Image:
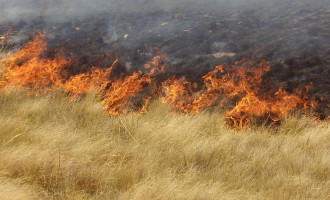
239	83
158	63
82	83
27	68
236	88
134	92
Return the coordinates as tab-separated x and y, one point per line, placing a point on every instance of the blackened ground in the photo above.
294	38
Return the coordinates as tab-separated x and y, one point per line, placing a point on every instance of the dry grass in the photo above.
54	149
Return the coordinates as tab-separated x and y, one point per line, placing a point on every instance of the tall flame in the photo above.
28	68
239	84
135	91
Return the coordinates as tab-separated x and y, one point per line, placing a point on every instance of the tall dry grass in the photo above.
51	148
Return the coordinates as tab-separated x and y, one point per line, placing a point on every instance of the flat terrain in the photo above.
54	147
51	148
293	35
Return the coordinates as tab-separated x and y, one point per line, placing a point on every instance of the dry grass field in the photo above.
164	100
52	148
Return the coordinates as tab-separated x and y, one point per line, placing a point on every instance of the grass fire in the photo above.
239	85
164	100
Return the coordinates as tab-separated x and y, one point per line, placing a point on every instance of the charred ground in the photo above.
292	36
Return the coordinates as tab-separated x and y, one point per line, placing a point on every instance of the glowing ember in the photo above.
4	37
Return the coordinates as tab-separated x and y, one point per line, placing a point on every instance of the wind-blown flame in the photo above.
135	91
235	88
82	83
239	84
28	68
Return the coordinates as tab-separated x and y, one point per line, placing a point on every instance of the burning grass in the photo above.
26	68
76	125
236	89
53	148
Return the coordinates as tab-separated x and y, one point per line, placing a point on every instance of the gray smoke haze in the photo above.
61	10
196	35
141	17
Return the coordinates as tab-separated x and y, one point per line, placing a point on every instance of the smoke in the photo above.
184	28
195	34
61	10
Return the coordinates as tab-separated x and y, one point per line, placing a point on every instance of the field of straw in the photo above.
52	148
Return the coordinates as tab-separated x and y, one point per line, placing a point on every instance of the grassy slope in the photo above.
53	148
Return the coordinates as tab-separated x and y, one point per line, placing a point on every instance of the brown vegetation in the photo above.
51	148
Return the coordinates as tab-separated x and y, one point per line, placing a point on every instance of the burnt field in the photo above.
293	36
